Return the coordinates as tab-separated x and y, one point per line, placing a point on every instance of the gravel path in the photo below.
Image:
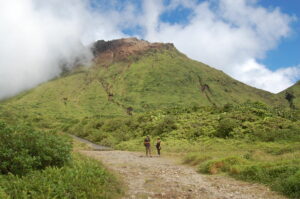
91	145
162	177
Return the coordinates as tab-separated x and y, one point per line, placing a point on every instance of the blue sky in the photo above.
288	51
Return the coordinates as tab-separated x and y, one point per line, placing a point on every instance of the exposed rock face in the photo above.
106	52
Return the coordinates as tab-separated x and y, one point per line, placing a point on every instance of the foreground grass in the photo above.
275	164
84	178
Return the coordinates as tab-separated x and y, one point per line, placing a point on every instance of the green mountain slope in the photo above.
292	95
129	76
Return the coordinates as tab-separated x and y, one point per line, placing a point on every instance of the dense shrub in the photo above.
291	186
227	107
226	126
23	149
85	178
167	125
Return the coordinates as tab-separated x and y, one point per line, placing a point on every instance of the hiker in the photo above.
158	146
147	146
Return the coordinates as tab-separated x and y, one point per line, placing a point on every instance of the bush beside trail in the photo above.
85	178
23	149
41	165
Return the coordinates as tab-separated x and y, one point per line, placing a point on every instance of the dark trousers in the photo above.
158	151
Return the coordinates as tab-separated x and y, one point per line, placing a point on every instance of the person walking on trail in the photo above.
147	146
158	146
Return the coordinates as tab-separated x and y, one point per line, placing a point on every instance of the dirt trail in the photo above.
161	177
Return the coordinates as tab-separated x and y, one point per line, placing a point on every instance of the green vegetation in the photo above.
84	178
272	163
292	95
218	124
158	79
40	165
250	141
248	121
23	150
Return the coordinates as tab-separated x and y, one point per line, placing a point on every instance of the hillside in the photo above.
129	76
292	95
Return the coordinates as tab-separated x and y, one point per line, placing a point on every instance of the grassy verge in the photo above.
275	164
84	178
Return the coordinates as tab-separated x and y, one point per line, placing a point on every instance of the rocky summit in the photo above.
106	52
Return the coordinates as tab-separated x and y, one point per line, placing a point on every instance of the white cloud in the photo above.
261	77
35	36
